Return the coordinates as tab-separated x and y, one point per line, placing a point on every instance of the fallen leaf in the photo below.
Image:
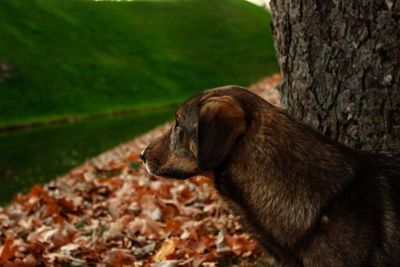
167	248
8	250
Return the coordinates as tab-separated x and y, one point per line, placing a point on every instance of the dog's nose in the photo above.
142	155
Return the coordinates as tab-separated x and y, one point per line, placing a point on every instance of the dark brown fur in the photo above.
308	200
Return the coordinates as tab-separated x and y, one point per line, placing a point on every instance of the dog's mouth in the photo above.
170	173
176	174
148	169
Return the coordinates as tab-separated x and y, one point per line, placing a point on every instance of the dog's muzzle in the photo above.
142	155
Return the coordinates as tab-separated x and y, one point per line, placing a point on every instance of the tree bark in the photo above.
340	67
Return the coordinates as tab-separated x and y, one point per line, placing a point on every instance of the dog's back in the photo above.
361	225
385	168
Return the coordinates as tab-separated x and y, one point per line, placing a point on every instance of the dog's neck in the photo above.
291	174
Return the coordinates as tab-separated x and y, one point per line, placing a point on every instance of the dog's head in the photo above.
205	131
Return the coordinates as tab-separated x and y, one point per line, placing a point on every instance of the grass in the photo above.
77	58
37	155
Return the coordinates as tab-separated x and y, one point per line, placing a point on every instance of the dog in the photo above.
307	200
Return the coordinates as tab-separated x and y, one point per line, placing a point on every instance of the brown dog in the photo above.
308	200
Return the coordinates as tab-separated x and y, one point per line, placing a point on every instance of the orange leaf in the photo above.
164	191
185	195
67	205
172	226
51	205
36	191
8	250
29	261
170	211
241	245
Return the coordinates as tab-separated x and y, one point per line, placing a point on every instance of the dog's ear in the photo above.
221	120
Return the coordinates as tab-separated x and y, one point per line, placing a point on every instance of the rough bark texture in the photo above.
340	66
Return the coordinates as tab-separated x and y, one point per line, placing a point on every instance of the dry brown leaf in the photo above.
167	248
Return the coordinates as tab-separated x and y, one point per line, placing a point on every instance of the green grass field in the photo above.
75	58
40	154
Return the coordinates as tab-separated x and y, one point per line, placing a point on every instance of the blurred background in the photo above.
80	77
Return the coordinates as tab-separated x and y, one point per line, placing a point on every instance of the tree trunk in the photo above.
340	67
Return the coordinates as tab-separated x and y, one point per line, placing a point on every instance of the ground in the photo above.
110	212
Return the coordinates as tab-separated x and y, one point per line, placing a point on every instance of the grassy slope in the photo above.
40	154
83	57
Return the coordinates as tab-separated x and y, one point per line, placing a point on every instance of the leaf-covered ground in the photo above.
110	212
